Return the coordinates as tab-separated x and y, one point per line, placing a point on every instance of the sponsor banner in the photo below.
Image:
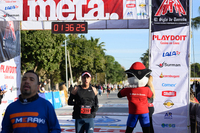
168	122
62	98
169	62
48	10
10	61
175	38
56	100
11	10
48	96
10	77
192	79
170	12
9	40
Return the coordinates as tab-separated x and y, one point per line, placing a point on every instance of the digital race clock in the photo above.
69	27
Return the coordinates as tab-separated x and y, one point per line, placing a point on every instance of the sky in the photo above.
128	45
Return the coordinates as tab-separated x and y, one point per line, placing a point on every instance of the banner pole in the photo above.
149	32
66	64
189	57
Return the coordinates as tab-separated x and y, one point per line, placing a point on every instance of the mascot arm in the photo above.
119	94
150	84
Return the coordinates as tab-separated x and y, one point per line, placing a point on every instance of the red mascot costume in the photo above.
138	76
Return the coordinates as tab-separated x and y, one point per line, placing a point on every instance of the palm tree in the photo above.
145	58
196	21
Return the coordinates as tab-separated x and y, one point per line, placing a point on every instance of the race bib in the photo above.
85	109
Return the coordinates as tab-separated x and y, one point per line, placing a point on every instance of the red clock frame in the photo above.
69	27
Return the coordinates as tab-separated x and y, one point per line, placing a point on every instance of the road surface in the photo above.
110	118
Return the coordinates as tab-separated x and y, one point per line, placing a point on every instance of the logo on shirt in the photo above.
26	119
137	94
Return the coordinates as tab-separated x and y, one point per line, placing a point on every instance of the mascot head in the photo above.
138	74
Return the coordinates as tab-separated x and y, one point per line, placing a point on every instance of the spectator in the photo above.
108	90
70	89
150	102
30	113
194	87
1	94
41	89
99	90
192	97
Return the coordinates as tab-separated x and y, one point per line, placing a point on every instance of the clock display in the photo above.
69	27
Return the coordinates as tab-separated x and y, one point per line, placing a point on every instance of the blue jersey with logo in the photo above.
35	117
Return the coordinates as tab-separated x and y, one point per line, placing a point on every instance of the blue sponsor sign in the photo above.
56	100
48	96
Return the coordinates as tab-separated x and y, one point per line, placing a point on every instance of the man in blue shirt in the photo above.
30	113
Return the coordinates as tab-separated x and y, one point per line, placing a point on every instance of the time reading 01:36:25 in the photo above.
69	27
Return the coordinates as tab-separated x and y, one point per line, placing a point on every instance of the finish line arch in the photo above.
169	42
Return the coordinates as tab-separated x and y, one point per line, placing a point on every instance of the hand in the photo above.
3	92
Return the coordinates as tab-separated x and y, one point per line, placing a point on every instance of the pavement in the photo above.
111	105
111	116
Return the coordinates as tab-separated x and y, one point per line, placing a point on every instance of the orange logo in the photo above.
25	119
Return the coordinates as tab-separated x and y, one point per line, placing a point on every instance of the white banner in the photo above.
10	77
43	10
11	10
10	63
170	70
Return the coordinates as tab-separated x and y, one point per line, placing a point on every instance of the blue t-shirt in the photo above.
35	117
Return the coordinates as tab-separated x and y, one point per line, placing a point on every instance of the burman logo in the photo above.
168	76
169	93
168	104
167	5
161	65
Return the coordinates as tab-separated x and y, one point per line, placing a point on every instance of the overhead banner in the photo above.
169	62
43	10
10	63
100	14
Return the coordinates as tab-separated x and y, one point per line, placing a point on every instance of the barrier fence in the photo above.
57	98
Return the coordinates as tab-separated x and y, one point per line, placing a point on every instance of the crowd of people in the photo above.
195	90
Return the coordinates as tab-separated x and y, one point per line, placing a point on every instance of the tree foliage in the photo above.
145	58
42	51
89	55
196	21
195	70
45	53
